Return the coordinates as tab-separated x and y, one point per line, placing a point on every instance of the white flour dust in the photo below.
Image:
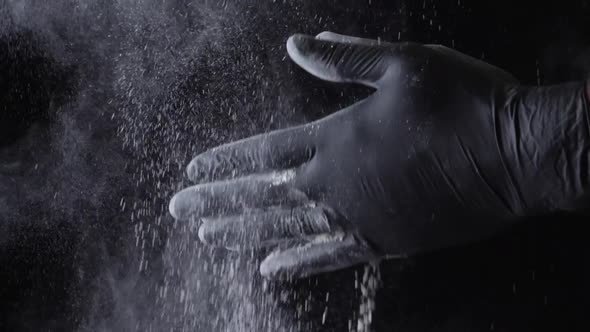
175	78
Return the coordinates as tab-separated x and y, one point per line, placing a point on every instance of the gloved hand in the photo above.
447	150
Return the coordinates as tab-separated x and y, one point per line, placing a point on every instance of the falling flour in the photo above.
369	285
177	77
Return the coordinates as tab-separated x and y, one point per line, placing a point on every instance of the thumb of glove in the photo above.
340	60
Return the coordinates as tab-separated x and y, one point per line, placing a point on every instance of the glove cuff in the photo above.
545	140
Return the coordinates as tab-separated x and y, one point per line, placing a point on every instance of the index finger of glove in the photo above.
277	150
339	60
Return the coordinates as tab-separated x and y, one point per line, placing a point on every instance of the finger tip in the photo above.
269	267
326	35
178	207
274	267
309	53
298	46
172	207
267	270
292	46
202	234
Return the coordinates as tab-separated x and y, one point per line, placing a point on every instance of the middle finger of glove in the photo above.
265	228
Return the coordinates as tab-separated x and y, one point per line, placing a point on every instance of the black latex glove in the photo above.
447	150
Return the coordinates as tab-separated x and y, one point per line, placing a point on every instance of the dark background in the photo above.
92	97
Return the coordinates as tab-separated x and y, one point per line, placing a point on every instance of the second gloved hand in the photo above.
441	153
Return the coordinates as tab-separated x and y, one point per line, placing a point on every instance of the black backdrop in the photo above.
62	224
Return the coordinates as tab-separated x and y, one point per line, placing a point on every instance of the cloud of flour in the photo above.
143	85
